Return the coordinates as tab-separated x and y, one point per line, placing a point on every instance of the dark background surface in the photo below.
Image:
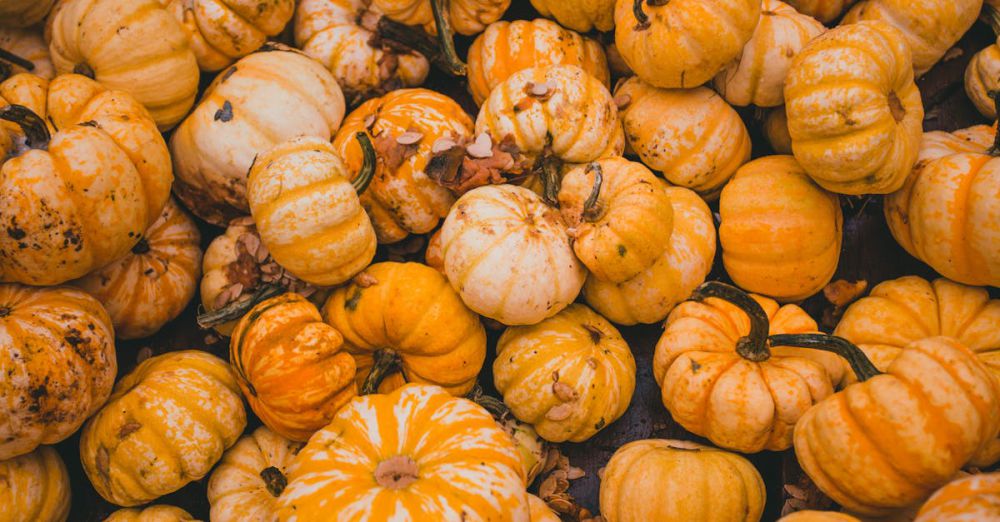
869	253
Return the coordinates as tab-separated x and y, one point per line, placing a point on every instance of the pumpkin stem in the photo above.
142	247
85	70
441	52
36	133
752	347
386	362
551	181
446	39
364	177
239	307
862	366
640	16
274	480
590	209
16	60
495	406
396	472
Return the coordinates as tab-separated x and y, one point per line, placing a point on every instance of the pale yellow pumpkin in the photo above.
35	487
23	13
581	16
27	44
246	484
776	130
967	499
157	513
825	11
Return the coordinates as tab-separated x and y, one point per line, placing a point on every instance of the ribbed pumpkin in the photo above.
132	45
415	454
982	75
76	198
404	125
247	482
619	217
691	481
153	283
29	45
855	128
262	100
758	76
157	513
330	31
167	423
970	498
649	296
818	516
780	232
509	255
889	441
222	31
22	13
692	136
682	44
291	366
582	16
568	376
539	511
825	11
467	17
35	487
58	356
433	256
508	47
776	130
403	317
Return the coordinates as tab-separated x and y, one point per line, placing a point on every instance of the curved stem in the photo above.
752	347
239	307
495	406
16	60
859	362
640	15
551	182
590	209
446	38
386	362
31	124
364	177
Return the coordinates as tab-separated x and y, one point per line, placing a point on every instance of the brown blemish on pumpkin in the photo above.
103	462
351	303
396	472
595	333
896	107
128	428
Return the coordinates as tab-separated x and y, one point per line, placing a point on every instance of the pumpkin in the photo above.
262	100
222	31
538	510
928	41
649	296
59	363
247	482
76	198
433	256
855	128
291	366
825	11
818	516
28	45
692	136
157	513
780	232
36	487
23	13
329	31
467	17
976	497
982	75
568	376
758	76
153	283
582	16
403	317
131	45
508	255
404	126
717	343
682	44
776	130
508	47
166	424
889	441
414	454
692	482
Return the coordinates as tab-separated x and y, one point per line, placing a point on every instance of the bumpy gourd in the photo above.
157	513
36	487
969	498
246	484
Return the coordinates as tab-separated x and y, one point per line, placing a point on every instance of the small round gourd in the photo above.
982	75
976	497
156	513
582	16
246	484
35	487
825	11
776	130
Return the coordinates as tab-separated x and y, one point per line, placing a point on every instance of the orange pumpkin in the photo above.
28	45
582	16
35	487
776	130
971	498
156	513
818	516
467	17
23	13
434	256
982	75
825	11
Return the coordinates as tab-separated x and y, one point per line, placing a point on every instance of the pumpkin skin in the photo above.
264	99
167	423
692	136
28	44
291	366
776	130
649	297
818	516
157	513
247	482
328	31
982	76
976	497
409	309
150	58
85	200
758	76
467	17
855	129
582	16
508	47
568	376
693	482
627	227
683	44
944	409
415	454
153	283
780	232
539	511
36	487
23	13
59	354
433	256
484	229
825	11
401	199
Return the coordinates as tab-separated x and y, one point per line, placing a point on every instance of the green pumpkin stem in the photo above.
33	126
386	362
862	366
364	177
590	209
551	180
16	60
239	307
446	39
753	346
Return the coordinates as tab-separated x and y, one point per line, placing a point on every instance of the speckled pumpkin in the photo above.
971	498
692	136
776	130
246	484
982	75
166	424
27	44
825	11
23	13
415	454
157	513
691	481
35	487
467	17
58	356
818	516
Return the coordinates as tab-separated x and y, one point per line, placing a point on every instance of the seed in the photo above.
409	138
482	147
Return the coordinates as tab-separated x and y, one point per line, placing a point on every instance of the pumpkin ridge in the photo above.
961	383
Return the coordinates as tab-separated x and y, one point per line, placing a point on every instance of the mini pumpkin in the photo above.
155	281
818	516
246	484
581	16
539	511
23	13
58	356
36	487
776	130
27	47
855	128
467	17
693	482
415	454
262	100
976	497
692	136
982	75
825	11
131	45
433	256
166	424
157	513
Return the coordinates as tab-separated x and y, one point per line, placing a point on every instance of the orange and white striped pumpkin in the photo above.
976	497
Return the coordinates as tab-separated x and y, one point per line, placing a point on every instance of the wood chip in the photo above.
370	121
564	392
409	138
560	412
482	147
262	253
250	242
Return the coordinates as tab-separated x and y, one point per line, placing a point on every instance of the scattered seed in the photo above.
564	392
482	147
560	412
442	144
409	138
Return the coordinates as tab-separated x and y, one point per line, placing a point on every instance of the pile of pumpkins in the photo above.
565	208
